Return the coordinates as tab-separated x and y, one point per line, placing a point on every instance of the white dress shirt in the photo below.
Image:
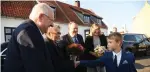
119	54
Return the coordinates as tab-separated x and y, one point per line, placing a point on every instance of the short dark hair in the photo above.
115	36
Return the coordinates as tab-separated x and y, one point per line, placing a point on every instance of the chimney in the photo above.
77	3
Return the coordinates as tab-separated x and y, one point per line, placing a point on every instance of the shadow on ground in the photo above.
142	65
139	66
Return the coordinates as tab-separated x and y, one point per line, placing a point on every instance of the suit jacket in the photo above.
90	46
68	40
26	51
56	50
126	63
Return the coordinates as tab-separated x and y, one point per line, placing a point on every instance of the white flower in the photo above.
99	50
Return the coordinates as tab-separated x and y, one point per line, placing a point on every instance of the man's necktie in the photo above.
115	61
75	40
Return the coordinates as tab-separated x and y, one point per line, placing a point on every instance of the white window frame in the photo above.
8	31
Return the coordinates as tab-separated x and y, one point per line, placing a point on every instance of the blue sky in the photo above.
116	13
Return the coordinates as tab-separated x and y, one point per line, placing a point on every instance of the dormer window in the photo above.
96	20
86	19
99	21
54	10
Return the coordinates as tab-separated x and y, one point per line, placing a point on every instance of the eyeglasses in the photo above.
49	19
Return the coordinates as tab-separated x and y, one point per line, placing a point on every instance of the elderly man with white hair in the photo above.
26	50
57	49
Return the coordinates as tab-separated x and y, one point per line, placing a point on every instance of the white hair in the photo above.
40	8
54	28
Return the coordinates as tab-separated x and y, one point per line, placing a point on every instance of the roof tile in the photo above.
64	12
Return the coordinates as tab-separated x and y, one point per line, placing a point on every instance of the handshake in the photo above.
98	52
76	63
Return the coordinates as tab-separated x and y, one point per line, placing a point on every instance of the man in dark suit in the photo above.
74	37
56	48
115	60
26	50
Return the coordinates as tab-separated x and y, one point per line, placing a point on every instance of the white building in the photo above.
141	23
15	12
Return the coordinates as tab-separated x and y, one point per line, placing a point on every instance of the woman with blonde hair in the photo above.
94	39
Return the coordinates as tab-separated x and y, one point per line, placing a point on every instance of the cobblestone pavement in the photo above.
142	64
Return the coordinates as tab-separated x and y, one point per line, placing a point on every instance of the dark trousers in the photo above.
81	69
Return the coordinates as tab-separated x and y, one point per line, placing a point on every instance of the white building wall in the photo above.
9	22
105	31
141	23
14	22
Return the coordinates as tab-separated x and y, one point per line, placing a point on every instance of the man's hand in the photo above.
76	63
95	54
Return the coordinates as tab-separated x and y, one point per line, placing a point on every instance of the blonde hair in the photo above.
40	8
93	28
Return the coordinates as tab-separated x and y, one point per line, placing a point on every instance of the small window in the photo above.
99	21
96	20
86	19
8	33
86	33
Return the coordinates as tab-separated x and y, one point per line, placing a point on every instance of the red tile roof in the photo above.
64	12
16	8
85	11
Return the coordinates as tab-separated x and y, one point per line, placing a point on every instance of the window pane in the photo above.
129	38
86	19
99	21
139	37
8	38
8	30
87	32
13	30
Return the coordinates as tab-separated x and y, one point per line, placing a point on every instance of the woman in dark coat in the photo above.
92	41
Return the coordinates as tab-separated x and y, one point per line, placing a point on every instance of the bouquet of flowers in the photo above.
99	50
75	49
